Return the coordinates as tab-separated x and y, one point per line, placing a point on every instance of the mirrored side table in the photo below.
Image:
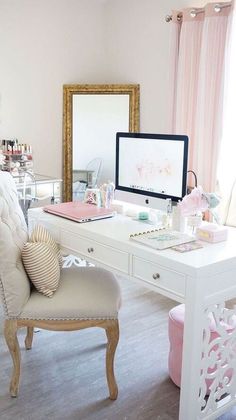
37	190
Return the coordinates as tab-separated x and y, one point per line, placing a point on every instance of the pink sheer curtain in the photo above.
188	77
210	96
199	81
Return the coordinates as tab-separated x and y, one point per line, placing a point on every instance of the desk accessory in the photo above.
107	194
161	238
187	247
93	196
2	159
143	215
17	157
131	212
212	232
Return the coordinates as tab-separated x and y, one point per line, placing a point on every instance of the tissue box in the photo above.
212	233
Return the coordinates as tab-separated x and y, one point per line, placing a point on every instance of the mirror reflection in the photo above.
92	116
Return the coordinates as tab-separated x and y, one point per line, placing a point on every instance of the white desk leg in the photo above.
202	352
192	347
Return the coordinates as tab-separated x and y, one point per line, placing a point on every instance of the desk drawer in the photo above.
96	251
154	274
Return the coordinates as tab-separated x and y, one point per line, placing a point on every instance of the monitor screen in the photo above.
152	165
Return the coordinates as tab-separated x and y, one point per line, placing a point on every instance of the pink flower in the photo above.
194	202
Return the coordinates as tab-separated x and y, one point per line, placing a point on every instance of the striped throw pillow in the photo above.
42	266
40	234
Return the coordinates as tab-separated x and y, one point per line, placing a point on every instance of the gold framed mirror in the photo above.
92	114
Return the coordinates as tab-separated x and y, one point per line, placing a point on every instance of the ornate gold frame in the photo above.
68	92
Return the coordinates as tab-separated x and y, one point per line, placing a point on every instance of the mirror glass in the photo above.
93	114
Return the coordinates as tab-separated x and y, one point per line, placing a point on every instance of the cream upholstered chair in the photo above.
86	297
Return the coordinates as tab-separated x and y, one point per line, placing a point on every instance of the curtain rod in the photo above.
194	12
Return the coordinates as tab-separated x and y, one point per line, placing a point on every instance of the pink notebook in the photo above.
79	212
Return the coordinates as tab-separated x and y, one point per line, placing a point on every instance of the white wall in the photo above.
47	43
43	45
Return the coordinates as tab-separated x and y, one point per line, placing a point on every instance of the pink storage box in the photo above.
212	233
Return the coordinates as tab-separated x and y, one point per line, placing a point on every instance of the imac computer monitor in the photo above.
150	168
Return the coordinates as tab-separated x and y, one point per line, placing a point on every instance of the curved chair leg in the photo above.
29	338
112	333
10	333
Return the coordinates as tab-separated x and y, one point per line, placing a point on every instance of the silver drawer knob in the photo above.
90	250
156	276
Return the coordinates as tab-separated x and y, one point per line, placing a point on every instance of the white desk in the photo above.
203	279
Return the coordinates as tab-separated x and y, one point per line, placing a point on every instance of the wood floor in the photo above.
63	376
